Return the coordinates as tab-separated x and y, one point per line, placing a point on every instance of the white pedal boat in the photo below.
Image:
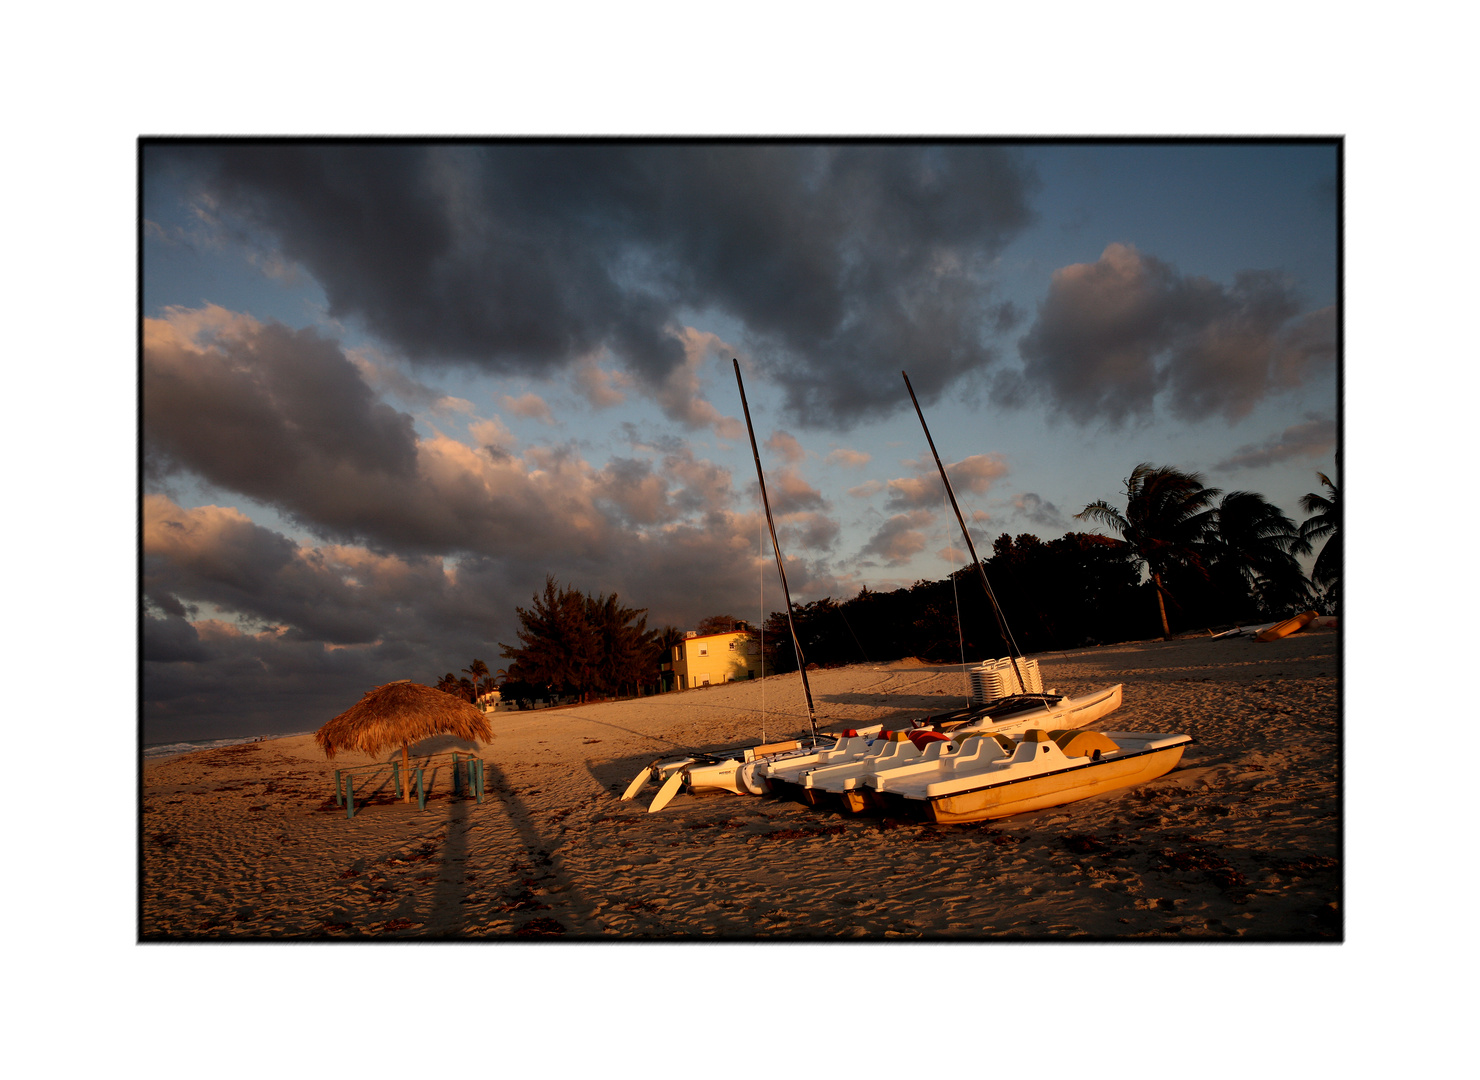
846	778
980	776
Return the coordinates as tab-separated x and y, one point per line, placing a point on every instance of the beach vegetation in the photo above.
1325	524
583	645
477	672
1252	553
1168	517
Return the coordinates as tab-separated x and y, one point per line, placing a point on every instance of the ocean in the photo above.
156	751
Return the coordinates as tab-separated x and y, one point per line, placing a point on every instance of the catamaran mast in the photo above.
766	502
1012	649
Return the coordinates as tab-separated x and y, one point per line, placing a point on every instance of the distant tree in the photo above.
516	690
478	671
1077	589
720	624
624	647
448	684
1168	517
579	643
1325	524
664	641
1252	553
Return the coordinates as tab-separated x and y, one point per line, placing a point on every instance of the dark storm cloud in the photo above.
1111	335
842	263
286	419
262	409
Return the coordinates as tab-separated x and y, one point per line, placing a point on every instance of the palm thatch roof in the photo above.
398	714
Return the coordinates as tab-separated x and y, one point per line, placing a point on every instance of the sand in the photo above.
1242	840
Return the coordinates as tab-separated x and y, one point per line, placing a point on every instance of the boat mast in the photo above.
1012	649
766	502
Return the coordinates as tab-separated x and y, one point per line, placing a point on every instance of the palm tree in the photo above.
1325	522
1168	516
478	670
1253	552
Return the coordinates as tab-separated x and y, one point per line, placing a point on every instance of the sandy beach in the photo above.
1242	840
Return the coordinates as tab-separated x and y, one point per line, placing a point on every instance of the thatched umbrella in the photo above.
399	714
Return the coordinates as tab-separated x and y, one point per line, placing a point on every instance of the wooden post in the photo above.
338	799
349	796
456	779
478	782
421	793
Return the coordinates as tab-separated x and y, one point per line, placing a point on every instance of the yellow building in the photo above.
707	659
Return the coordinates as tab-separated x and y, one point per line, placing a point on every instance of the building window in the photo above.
703	650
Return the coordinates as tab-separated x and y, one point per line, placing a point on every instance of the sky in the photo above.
389	386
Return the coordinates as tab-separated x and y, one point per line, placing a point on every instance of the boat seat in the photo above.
979	748
1083	743
922	737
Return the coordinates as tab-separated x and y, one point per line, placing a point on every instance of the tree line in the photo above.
1186	556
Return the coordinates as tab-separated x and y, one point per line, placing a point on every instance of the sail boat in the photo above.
981	774
923	749
743	770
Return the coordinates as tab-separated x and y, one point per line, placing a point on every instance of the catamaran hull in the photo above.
1039	792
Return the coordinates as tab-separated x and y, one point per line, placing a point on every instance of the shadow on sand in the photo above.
455	904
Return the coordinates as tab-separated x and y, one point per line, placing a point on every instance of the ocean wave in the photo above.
155	751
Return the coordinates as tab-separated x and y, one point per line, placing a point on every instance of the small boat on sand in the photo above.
844	776
1289	626
981	776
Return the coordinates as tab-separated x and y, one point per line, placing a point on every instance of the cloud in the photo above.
975	475
849	459
808	531
492	434
791	494
679	392
260	409
785	445
1314	438
900	538
1039	511
284	418
530	406
1112	335
521	259
600	387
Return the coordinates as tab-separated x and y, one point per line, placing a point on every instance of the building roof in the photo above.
722	633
